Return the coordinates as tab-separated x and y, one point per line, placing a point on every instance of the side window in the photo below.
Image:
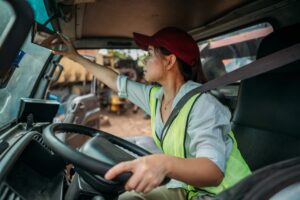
225	53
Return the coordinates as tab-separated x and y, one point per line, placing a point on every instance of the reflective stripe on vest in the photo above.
173	143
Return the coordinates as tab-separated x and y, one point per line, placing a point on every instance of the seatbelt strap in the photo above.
262	65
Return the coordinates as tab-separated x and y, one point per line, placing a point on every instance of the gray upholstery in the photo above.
265	121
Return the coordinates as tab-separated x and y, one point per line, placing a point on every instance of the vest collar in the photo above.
184	89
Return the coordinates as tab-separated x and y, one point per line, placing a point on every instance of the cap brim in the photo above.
143	41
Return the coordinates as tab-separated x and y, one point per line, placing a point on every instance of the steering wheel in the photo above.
96	156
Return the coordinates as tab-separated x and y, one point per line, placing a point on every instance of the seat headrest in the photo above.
278	40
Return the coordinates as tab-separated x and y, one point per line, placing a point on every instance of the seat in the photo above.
265	121
83	110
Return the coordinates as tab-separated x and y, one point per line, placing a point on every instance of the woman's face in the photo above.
154	68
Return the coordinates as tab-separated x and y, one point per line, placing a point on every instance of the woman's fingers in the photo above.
134	181
142	185
125	167
118	169
62	45
58	46
147	171
64	38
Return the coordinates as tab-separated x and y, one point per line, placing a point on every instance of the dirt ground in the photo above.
125	124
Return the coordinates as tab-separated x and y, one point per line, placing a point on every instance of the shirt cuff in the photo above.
122	86
213	156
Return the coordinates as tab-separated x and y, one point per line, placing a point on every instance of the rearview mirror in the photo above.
45	37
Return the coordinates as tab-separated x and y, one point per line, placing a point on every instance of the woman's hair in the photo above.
186	70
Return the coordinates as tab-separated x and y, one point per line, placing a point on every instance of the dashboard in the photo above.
28	168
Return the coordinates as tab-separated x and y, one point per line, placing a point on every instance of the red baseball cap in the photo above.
175	40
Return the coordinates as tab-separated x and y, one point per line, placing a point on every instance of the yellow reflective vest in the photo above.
173	143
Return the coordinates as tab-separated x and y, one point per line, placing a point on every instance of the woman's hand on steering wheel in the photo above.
148	172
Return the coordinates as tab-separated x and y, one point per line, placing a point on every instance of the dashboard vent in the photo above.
40	140
8	193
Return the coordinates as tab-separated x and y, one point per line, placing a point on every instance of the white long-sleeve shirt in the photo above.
208	124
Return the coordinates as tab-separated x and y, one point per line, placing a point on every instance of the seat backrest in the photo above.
83	109
265	121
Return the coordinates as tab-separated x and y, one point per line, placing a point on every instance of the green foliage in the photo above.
119	54
140	60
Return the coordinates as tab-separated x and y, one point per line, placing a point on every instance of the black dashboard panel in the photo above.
28	168
34	107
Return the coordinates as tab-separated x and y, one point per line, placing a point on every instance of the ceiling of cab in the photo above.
119	18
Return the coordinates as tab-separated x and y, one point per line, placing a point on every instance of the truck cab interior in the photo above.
232	34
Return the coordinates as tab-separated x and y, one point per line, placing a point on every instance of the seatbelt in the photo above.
262	65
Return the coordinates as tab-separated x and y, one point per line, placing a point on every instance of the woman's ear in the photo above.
171	60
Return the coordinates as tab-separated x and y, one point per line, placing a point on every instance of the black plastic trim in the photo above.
16	37
11	157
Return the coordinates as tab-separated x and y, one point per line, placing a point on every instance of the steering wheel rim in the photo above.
82	160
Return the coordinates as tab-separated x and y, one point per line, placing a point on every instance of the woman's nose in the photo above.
145	61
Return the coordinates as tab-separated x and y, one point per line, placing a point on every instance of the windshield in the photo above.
22	81
30	62
40	12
